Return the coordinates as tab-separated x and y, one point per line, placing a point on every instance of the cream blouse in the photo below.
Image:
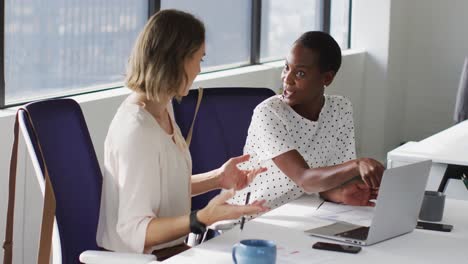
146	175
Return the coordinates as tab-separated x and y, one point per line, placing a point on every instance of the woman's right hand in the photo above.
217	209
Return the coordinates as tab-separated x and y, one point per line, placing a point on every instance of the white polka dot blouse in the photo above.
276	128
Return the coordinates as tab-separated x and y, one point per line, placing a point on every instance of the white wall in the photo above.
396	75
380	28
437	46
415	54
370	32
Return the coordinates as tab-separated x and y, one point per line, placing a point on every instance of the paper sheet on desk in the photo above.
358	215
286	255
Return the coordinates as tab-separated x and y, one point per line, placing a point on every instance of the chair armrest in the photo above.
105	257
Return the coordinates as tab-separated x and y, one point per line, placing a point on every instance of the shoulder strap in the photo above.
48	212
190	132
8	243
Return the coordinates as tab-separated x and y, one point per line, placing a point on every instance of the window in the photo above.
64	47
339	22
227	30
69	47
283	22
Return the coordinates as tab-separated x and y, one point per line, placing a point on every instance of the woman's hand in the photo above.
217	209
231	177
371	171
358	194
355	193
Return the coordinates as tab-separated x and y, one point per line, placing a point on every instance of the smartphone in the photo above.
336	247
434	226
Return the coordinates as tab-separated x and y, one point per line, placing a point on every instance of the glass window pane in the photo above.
283	22
339	22
227	26
56	47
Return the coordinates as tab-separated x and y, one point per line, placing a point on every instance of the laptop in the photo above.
396	213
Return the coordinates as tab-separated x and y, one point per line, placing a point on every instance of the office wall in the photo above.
415	51
371	32
437	46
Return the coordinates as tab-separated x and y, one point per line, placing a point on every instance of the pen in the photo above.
243	217
320	205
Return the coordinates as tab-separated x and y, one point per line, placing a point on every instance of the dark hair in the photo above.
156	64
328	51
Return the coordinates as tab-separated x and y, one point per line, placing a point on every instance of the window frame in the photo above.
153	7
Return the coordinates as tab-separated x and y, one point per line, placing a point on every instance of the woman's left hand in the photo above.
358	194
231	177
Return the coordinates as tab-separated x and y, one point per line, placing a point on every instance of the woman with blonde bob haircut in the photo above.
147	182
156	65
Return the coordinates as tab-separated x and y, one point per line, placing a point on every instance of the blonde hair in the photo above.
156	66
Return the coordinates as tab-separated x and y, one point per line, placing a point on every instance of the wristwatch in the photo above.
196	226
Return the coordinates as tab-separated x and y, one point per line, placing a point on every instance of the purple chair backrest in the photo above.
220	129
74	171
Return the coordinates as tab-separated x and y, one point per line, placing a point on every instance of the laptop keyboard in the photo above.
358	233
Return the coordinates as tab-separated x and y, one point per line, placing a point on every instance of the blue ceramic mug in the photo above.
256	251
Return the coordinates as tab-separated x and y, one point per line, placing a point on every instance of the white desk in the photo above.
449	146
285	226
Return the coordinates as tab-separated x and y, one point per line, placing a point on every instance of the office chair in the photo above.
220	128
460	114
75	177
